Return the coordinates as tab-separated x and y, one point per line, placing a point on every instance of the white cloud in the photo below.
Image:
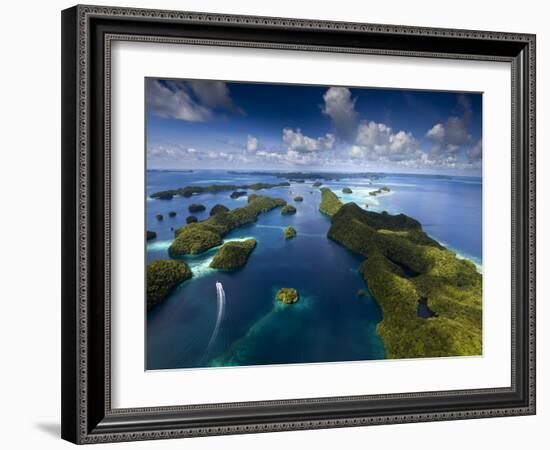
476	152
171	153
251	143
340	107
298	142
377	141
214	94
449	137
168	100
191	101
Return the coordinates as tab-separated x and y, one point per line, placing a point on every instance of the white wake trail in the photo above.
220	293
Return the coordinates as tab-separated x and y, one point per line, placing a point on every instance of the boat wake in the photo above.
220	293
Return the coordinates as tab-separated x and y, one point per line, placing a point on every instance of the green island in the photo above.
290	232
216	209
162	277
188	191
233	255
347	190
298	198
237	194
406	268
196	207
379	191
198	237
151	235
287	295
288	210
330	203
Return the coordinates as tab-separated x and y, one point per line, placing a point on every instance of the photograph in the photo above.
299	224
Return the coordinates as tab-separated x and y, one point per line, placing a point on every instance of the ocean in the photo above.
330	322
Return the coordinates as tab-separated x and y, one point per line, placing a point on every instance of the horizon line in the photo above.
245	171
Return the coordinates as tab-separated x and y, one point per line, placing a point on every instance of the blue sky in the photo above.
230	125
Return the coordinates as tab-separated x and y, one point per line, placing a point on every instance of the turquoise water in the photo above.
330	322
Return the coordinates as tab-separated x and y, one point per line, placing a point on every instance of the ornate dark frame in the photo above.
87	33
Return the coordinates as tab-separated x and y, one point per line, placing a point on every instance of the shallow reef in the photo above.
405	267
233	255
198	237
162	277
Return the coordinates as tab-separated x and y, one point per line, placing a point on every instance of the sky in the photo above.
202	124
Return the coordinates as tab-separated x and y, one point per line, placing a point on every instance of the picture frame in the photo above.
87	413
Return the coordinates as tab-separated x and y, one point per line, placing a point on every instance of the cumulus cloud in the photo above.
251	143
171	153
214	94
377	141
170	101
191	101
298	142
340	107
476	152
448	138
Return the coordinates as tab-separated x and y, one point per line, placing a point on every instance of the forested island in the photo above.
233	255
198	237
188	191
405	267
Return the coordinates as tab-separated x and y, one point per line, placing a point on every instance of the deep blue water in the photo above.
329	322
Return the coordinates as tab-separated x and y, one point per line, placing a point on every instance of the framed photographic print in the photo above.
277	224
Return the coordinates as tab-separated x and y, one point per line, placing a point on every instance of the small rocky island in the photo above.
379	191
191	219
196	207
288	210
233	255
198	237
287	295
172	214
289	232
237	194
347	190
162	277
298	198
317	184
151	235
